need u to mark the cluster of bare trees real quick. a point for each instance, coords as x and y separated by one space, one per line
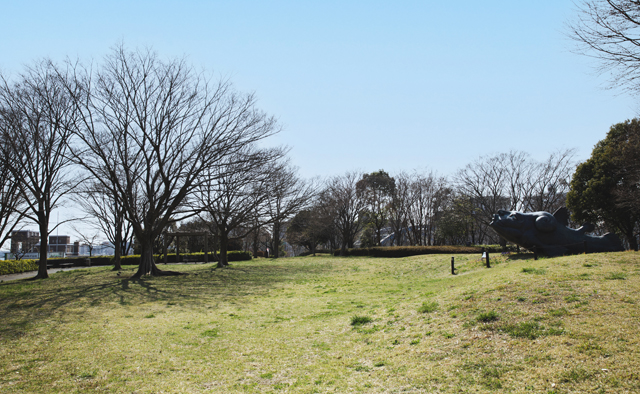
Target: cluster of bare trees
248 204
141 140
37 117
511 181
422 208
143 144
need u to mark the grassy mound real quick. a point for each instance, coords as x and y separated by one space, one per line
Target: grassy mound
326 324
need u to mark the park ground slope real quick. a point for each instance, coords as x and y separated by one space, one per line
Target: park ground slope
330 324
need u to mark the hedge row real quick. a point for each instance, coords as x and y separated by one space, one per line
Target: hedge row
80 261
239 255
17 266
318 251
404 251
234 255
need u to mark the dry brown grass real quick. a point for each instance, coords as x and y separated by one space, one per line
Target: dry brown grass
554 325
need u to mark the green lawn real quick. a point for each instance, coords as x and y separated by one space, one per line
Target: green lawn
328 324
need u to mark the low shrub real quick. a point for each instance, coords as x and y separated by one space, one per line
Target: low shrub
80 261
232 255
537 271
488 317
530 330
238 255
360 320
405 251
132 259
428 307
318 251
101 260
17 266
616 276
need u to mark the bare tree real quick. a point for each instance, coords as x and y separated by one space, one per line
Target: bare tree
12 204
107 214
547 184
485 183
153 130
232 199
37 118
342 203
88 238
519 173
287 194
428 195
609 31
488 184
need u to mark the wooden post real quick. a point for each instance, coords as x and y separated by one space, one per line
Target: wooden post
453 270
535 253
488 264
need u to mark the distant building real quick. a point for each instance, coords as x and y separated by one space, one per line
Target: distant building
29 242
24 240
62 244
59 245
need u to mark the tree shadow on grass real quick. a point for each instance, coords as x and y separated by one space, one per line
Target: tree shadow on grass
24 303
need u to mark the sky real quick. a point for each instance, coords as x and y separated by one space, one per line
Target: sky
359 85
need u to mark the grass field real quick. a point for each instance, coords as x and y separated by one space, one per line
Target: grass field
329 324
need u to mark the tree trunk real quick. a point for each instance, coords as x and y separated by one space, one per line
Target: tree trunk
117 253
343 249
633 242
256 235
224 247
276 239
44 248
147 264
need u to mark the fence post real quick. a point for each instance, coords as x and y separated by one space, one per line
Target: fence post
488 264
453 270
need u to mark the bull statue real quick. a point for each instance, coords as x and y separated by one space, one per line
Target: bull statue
549 235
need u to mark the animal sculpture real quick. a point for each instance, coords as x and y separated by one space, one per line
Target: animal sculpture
549 235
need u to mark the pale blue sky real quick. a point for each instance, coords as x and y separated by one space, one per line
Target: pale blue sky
362 85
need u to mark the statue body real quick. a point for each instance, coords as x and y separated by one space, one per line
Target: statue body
549 234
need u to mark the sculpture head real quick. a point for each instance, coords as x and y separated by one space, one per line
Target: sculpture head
517 226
